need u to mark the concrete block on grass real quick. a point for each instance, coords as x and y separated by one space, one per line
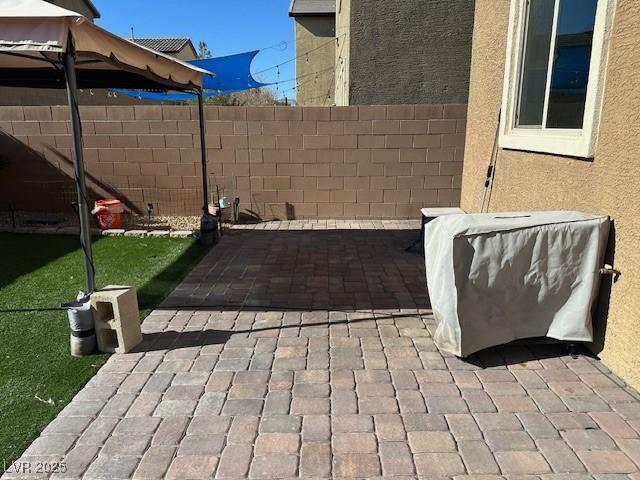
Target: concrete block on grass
117 319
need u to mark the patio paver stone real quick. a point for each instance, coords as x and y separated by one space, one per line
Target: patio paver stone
304 349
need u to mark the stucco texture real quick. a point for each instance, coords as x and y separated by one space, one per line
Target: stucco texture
410 51
315 71
607 184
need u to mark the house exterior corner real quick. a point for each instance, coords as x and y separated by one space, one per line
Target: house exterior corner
606 183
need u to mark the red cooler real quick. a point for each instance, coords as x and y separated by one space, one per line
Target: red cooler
108 213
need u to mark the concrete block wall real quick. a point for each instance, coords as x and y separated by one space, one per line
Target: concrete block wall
283 162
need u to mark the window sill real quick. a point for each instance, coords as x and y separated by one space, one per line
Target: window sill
572 143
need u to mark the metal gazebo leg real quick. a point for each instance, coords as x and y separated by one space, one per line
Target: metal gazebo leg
208 224
203 155
78 164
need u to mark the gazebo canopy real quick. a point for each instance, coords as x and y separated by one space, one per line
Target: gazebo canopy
34 35
45 46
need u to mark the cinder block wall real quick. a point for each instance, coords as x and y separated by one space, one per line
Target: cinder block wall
283 162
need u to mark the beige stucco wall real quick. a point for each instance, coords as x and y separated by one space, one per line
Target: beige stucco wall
315 70
187 53
343 48
608 184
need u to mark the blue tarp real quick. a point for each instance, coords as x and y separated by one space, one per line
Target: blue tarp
232 74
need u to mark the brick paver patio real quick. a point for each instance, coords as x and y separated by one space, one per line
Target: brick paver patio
303 349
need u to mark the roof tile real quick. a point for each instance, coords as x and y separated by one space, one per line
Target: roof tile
163 45
312 7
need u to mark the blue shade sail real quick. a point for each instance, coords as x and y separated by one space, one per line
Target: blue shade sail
232 74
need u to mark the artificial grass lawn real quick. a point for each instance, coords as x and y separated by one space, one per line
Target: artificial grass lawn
40 271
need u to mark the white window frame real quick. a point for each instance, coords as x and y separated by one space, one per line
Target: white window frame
570 142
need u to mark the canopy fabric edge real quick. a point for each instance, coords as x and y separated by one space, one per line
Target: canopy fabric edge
44 30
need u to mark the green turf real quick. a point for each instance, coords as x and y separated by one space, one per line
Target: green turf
39 271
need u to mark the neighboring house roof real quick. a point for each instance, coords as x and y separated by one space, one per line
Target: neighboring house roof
301 8
94 11
92 7
163 45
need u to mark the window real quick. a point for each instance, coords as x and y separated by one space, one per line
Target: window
554 75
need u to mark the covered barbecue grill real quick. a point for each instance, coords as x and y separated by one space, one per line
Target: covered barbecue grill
494 278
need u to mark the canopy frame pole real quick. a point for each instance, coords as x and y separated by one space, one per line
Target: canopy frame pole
78 164
203 155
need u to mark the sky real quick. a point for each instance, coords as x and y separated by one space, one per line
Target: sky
227 26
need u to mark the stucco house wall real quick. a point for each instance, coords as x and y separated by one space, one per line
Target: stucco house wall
186 53
608 184
414 51
315 71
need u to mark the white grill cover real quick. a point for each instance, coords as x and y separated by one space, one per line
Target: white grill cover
494 278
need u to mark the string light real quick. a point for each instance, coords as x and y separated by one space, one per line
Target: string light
282 46
328 97
303 54
314 75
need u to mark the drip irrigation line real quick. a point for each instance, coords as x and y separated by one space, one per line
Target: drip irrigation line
34 309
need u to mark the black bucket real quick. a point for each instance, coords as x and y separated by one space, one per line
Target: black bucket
209 230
